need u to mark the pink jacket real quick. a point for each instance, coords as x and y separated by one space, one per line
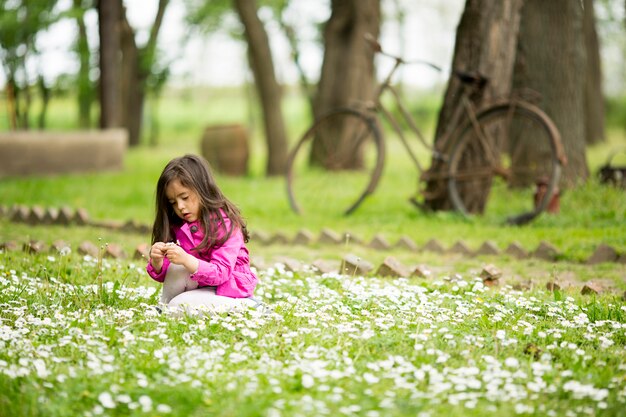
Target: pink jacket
226 267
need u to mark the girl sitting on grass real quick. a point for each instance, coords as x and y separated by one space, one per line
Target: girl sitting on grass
198 241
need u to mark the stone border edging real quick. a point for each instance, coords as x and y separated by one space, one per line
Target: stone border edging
37 215
350 264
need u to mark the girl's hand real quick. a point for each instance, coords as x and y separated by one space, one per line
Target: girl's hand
177 255
174 253
157 253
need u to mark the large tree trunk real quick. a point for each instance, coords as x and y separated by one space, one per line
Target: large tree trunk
267 87
348 69
109 15
132 84
551 60
594 97
486 41
136 67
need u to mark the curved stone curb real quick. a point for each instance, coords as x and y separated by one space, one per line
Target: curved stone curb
66 216
545 250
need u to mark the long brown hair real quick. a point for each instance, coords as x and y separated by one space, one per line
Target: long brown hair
194 172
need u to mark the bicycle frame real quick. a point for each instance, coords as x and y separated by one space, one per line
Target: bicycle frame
437 152
406 116
471 147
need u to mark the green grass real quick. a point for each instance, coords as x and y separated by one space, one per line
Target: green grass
590 214
80 336
72 344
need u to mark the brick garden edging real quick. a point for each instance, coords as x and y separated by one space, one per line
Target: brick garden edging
37 215
351 264
545 250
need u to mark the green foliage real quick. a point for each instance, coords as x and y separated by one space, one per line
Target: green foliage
209 16
21 21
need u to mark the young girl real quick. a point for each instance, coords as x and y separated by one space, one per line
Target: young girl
198 241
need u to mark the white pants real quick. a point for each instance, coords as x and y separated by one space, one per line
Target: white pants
181 293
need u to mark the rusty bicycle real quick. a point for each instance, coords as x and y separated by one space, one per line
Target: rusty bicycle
487 155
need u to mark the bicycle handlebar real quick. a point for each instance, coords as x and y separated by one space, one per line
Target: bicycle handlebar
465 77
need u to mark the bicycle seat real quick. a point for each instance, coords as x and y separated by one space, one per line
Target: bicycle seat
467 77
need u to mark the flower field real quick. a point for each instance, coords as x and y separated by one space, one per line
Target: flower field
81 336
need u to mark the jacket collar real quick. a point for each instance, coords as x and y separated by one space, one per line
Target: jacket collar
185 228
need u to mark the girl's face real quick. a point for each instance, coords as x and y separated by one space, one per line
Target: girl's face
185 201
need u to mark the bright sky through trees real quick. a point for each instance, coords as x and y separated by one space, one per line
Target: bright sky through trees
219 60
428 34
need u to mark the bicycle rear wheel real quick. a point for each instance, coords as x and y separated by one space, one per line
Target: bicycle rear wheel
505 163
336 164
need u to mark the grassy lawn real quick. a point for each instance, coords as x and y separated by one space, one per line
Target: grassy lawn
79 335
590 214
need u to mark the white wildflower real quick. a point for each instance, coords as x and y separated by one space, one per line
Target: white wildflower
511 362
123 398
106 400
370 378
146 403
40 367
307 381
164 408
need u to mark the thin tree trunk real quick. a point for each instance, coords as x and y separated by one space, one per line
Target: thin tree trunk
44 91
348 68
11 104
267 87
290 33
131 83
551 60
486 41
109 14
85 91
400 18
24 114
136 66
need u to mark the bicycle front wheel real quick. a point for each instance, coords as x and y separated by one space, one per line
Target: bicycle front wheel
505 163
336 164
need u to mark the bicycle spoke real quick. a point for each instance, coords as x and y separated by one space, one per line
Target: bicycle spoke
522 139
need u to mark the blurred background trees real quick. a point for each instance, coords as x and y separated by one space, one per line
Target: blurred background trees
21 22
126 68
572 53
